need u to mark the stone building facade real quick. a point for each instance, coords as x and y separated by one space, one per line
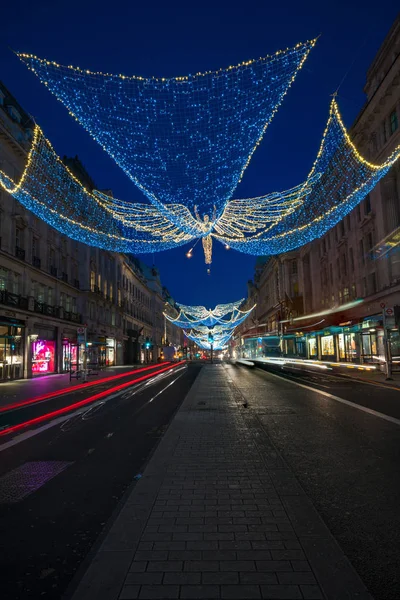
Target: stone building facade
334 298
52 288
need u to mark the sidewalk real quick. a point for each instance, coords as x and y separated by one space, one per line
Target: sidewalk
23 389
218 514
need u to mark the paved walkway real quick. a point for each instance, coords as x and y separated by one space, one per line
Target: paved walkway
218 514
23 389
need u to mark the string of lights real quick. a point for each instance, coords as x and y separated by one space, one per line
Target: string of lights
339 179
209 327
51 191
181 140
277 222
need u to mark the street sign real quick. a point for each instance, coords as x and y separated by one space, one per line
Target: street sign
81 330
389 312
383 305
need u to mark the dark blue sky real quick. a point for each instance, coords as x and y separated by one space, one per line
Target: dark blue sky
173 38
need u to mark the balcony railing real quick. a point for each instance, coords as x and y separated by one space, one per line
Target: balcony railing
19 252
72 316
45 309
14 300
22 302
36 262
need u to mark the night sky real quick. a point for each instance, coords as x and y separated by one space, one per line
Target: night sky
169 39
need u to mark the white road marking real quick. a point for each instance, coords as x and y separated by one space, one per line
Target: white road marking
28 434
369 411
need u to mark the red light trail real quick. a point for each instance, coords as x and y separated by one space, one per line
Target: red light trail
74 388
65 409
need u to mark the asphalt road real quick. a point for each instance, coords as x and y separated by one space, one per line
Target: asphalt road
59 487
346 460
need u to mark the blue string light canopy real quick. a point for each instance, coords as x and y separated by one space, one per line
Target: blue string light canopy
277 222
339 179
181 140
209 327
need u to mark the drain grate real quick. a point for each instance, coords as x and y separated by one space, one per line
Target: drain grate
28 478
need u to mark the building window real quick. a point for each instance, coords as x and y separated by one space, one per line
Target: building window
3 279
362 257
351 260
92 280
372 283
394 122
367 204
294 263
341 225
346 295
344 264
18 237
358 212
50 296
384 135
348 223
353 291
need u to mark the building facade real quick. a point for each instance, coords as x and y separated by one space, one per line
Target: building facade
334 298
52 288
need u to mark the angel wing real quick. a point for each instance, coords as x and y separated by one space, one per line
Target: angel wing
154 220
261 213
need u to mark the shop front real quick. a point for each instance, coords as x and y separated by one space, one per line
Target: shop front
372 340
312 346
11 349
349 344
327 341
69 350
110 352
43 357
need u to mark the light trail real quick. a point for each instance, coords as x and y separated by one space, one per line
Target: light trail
66 409
80 386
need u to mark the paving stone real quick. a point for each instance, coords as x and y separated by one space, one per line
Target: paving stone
151 592
151 555
296 578
221 578
138 567
237 565
182 578
129 592
199 591
258 578
165 565
201 565
300 565
273 565
281 592
241 592
218 555
143 578
185 555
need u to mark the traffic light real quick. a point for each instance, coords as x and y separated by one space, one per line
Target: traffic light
147 344
210 338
